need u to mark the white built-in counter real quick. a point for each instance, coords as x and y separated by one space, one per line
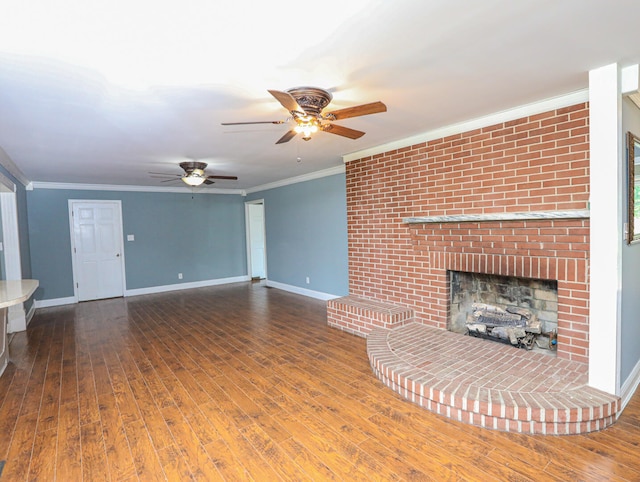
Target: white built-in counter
11 293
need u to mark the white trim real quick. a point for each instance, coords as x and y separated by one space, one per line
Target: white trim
9 165
294 180
185 286
6 184
11 236
242 192
124 188
301 291
148 291
72 237
630 386
15 315
71 300
605 278
469 125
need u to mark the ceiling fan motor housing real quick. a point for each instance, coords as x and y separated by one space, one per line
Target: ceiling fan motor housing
311 99
190 166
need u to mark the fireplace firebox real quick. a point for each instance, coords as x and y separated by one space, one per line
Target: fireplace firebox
520 311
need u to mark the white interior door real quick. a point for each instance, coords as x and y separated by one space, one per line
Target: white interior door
256 240
97 249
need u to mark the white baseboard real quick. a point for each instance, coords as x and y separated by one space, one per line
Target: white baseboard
147 291
630 385
185 286
301 291
54 302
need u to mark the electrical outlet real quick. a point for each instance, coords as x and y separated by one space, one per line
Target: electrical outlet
307 280
179 275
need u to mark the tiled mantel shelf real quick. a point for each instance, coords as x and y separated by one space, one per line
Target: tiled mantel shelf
524 216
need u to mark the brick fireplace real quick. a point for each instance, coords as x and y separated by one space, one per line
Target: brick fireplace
475 201
554 250
507 200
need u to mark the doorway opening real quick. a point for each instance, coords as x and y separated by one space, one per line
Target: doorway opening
17 318
256 239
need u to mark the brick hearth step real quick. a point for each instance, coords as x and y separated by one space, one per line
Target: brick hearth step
359 316
488 384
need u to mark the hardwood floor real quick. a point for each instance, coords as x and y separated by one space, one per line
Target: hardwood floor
243 382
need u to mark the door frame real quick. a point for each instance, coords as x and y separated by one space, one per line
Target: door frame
74 263
248 235
17 318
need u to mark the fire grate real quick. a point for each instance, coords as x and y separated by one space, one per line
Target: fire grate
515 326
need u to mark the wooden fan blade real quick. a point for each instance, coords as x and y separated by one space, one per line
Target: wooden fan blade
287 100
207 181
342 131
232 178
250 122
171 180
358 110
287 137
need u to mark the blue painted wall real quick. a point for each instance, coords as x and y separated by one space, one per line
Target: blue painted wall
23 230
201 236
630 301
306 234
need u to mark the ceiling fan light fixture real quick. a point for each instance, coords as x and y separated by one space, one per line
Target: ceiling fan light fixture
306 128
193 179
194 174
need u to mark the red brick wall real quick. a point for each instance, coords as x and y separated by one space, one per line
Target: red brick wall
537 163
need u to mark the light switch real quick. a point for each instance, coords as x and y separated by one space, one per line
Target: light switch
130 237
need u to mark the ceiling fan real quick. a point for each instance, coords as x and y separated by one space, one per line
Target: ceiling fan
305 104
194 174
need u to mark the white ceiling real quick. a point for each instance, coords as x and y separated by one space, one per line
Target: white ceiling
104 91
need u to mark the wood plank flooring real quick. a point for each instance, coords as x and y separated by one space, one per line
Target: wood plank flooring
244 382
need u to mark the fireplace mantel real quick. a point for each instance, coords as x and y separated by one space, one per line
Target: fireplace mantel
517 216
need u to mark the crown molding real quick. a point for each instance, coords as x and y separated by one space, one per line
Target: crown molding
6 184
115 187
302 178
10 166
477 123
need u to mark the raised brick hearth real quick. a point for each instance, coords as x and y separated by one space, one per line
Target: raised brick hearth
509 199
488 384
359 316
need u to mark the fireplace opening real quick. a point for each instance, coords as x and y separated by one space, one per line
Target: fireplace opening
522 312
